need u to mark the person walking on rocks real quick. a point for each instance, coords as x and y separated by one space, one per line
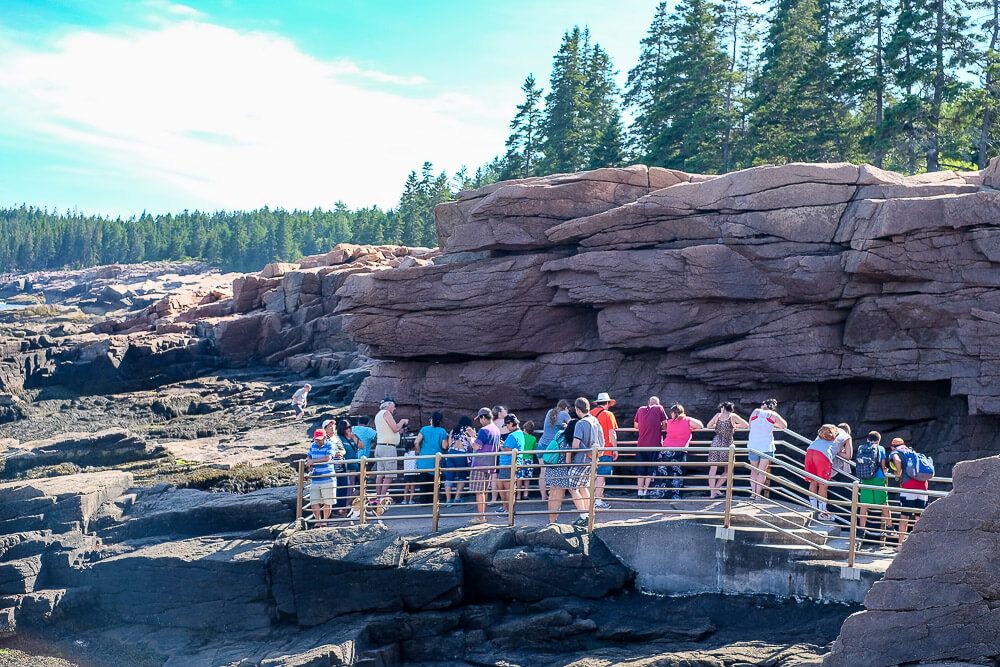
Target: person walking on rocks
819 463
322 483
574 475
725 424
680 429
760 443
431 440
609 427
553 425
649 420
387 436
870 464
484 463
300 399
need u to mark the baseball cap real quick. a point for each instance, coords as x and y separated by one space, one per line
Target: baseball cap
484 412
319 433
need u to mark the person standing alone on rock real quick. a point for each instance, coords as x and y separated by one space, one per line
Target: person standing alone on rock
300 399
486 444
650 421
387 431
322 483
725 422
760 443
609 427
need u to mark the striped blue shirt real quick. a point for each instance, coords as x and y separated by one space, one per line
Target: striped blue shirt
318 452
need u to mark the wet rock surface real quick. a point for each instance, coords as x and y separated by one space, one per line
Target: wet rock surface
849 293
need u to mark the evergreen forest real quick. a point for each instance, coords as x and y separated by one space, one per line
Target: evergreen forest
906 85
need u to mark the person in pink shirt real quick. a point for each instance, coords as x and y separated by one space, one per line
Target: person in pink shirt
670 475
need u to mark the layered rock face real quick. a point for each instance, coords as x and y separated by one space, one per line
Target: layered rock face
939 599
847 292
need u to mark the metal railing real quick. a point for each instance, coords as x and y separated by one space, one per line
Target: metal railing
428 495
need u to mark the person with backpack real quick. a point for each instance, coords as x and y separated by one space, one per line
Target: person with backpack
870 460
552 426
573 472
914 471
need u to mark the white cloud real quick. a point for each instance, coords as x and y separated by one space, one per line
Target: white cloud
174 8
237 119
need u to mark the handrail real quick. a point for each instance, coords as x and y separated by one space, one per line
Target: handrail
786 478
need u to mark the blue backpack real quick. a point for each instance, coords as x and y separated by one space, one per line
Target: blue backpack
918 466
868 460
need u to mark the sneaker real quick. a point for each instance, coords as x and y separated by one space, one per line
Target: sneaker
825 516
601 505
582 521
500 510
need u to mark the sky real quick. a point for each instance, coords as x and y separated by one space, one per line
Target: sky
117 107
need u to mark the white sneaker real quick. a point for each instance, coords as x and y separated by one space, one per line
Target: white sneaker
600 504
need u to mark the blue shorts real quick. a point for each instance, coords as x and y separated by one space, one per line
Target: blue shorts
754 456
503 472
605 471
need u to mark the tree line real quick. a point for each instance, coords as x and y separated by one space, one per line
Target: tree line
34 238
908 85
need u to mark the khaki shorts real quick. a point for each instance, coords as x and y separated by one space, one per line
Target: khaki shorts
386 451
322 494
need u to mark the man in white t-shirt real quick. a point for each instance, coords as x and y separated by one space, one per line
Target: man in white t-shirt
300 398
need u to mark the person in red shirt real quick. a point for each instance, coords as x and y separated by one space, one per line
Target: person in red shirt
917 500
649 421
602 412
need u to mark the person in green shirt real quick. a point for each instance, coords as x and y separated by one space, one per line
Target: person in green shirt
526 459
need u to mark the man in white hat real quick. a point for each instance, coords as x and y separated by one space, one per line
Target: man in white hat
602 412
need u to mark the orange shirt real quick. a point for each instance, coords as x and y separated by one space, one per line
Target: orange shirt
608 424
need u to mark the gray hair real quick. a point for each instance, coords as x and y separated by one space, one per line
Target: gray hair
654 400
385 405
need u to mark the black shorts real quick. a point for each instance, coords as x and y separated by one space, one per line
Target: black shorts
646 462
912 503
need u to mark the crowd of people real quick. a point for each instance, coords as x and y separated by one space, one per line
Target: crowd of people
495 459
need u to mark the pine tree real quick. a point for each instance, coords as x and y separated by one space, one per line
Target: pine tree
991 85
863 75
738 21
523 144
610 149
690 108
565 119
601 102
797 114
645 82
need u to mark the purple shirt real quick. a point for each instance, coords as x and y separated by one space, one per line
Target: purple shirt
650 419
487 440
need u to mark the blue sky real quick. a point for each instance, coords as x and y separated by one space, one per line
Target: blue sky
118 107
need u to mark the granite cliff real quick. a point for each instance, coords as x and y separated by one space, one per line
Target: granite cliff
849 293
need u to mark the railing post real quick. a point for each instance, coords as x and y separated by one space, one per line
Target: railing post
730 469
595 454
512 489
300 492
436 514
853 543
363 491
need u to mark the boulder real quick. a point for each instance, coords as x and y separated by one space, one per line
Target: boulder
67 502
213 584
324 573
191 512
102 448
938 599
